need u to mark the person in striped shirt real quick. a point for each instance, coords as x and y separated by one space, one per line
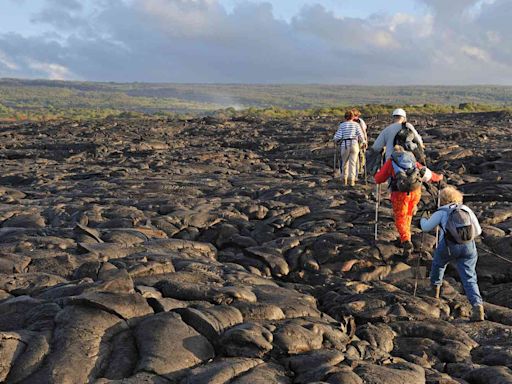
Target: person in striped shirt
348 137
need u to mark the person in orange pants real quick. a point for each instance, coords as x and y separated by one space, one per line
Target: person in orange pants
404 203
404 207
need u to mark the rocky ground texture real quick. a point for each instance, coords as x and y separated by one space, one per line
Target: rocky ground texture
224 251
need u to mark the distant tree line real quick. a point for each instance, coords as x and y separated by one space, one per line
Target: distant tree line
47 99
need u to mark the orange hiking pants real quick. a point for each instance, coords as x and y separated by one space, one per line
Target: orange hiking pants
404 203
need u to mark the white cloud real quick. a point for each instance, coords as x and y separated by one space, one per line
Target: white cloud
199 41
476 53
7 62
51 70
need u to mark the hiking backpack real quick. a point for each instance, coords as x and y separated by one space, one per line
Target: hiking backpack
405 138
407 176
459 227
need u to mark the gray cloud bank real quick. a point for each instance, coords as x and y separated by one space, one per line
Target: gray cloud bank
453 42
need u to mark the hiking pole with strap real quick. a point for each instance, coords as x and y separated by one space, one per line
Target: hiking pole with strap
364 166
417 272
438 206
334 162
377 204
365 174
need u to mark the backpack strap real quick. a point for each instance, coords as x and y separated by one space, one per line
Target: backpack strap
448 211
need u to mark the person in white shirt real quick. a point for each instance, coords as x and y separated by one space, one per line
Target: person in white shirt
464 255
362 147
386 138
348 136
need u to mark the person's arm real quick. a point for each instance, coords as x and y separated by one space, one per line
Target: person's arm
416 135
429 176
339 134
436 177
380 142
384 173
429 224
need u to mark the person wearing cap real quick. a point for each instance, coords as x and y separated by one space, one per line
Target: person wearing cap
386 138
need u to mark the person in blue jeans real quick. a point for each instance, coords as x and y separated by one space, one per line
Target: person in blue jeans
464 255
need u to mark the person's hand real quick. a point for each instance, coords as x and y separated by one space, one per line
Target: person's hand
442 183
425 213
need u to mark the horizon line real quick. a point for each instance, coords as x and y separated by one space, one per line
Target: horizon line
257 84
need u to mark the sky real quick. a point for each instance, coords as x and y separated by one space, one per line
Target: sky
367 42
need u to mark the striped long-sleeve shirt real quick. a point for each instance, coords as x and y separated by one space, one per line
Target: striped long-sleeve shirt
349 130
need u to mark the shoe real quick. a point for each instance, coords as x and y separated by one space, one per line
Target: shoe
408 247
352 183
436 291
345 182
478 313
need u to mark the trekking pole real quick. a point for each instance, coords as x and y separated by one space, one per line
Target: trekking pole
365 174
334 163
438 206
418 265
377 204
364 166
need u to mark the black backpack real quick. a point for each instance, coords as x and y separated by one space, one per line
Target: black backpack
405 138
459 227
407 176
374 160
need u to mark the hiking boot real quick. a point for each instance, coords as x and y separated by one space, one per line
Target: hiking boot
408 247
436 291
478 313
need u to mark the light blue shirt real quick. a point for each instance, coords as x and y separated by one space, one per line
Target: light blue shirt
440 217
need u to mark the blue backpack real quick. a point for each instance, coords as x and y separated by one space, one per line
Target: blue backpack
407 175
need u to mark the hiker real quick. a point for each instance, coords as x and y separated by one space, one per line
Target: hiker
459 227
405 176
348 137
399 133
361 122
362 147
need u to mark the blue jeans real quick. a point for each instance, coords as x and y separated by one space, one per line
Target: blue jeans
464 256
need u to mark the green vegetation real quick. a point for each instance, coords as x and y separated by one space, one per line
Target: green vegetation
366 110
46 99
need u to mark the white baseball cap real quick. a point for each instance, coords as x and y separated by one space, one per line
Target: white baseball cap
399 112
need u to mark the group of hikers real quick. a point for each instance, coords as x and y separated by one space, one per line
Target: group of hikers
397 157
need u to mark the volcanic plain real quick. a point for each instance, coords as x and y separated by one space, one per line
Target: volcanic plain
219 251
